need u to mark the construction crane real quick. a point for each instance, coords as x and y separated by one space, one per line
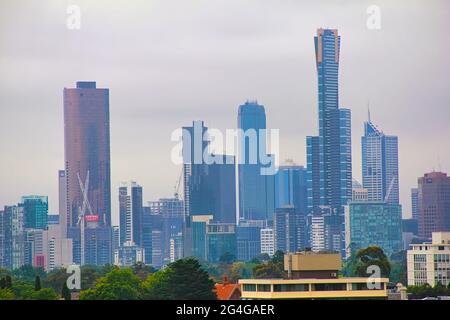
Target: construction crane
82 212
388 193
177 185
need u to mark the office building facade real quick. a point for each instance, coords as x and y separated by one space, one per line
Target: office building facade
130 213
429 262
256 190
36 211
434 204
373 223
329 164
380 164
87 150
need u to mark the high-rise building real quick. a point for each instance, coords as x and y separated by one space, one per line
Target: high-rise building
116 237
98 242
256 190
373 223
87 150
53 219
167 215
220 241
147 228
2 239
62 203
130 213
267 241
128 254
415 203
325 228
199 225
434 204
291 187
36 248
289 228
248 239
429 262
380 164
329 164
36 211
209 188
13 237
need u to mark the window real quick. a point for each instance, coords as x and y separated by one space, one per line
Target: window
329 287
290 287
249 287
264 287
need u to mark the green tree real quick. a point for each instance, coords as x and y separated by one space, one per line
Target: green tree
227 258
3 283
278 257
28 273
371 256
8 282
398 268
90 274
37 283
7 294
274 268
65 292
55 278
268 270
142 270
157 285
184 279
44 294
119 284
241 270
23 290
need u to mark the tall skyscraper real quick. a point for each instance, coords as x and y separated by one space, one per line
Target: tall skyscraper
2 239
434 204
130 213
13 237
329 164
167 216
415 203
256 191
209 188
380 164
291 187
87 149
62 203
36 211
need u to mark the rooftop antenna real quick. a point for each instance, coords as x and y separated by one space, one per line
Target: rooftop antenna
368 110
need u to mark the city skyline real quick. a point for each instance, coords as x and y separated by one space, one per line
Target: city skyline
130 116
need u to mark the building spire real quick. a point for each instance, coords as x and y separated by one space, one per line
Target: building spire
368 111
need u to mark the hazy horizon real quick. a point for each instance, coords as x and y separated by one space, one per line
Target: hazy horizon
170 62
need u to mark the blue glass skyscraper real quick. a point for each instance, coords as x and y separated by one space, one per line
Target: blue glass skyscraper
209 188
329 164
380 164
291 187
256 191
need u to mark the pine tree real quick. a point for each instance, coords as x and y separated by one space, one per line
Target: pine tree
65 292
37 283
8 282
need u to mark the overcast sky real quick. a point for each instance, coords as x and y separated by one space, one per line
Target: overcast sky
168 62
